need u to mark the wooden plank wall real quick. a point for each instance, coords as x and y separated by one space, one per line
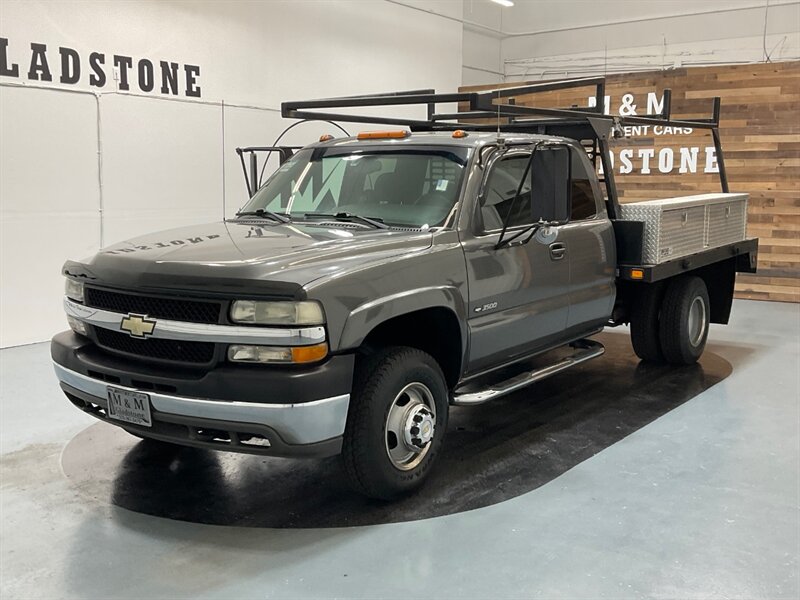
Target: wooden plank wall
760 130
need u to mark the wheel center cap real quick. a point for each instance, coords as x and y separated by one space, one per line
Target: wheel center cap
419 428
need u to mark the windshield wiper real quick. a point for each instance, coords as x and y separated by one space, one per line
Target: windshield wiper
346 216
260 212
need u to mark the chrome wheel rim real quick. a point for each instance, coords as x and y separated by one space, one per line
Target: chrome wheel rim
697 321
410 426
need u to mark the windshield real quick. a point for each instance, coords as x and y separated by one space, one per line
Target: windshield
417 187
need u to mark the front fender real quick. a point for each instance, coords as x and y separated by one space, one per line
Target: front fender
369 315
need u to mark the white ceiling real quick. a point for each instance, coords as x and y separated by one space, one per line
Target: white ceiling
531 17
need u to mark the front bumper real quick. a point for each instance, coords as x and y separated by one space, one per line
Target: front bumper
300 412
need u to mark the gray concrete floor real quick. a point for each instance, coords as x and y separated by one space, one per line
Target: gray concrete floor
704 502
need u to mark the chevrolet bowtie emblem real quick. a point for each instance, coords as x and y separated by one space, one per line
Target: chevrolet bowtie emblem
137 326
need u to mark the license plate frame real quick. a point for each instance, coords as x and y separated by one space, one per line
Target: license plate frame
129 406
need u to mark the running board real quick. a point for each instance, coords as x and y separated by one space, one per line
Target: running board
582 350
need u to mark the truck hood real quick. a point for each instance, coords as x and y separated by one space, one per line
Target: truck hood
262 257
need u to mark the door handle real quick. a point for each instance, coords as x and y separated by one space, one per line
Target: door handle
558 250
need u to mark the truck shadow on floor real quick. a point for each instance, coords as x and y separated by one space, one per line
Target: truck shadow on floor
493 452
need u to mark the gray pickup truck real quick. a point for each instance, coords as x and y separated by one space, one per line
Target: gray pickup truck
373 281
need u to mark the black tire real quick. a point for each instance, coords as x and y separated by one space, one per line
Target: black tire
365 452
645 336
685 316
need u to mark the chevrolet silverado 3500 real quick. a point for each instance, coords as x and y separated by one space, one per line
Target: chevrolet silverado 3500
373 281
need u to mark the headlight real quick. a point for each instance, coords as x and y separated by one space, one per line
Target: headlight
74 290
276 354
277 313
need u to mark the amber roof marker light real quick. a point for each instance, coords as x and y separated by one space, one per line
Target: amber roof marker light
380 135
327 137
460 133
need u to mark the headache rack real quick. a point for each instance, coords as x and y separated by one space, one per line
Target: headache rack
589 125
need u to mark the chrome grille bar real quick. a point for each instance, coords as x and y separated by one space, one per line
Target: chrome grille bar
201 332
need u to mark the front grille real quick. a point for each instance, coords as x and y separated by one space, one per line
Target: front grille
194 311
155 348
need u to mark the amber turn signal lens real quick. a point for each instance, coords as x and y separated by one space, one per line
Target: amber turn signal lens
637 274
277 354
307 354
376 135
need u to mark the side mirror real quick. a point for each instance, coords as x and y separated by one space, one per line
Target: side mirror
550 184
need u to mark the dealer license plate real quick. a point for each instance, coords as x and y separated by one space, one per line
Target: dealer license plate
131 407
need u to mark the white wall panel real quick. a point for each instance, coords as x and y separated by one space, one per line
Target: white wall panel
48 205
449 8
481 43
161 165
258 53
482 58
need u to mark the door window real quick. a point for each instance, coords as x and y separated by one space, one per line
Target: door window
584 205
501 187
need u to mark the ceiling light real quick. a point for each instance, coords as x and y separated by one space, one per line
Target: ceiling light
505 3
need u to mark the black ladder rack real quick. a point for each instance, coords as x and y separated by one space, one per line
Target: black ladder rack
581 124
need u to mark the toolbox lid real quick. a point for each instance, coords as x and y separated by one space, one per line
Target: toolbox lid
687 201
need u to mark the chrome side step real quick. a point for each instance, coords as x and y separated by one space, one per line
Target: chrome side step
582 350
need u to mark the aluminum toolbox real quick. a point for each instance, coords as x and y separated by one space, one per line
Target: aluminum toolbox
678 227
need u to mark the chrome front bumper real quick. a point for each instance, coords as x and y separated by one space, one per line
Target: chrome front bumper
320 422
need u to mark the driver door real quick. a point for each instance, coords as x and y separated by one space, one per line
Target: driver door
519 294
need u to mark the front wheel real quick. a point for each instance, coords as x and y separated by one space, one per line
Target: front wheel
685 316
396 422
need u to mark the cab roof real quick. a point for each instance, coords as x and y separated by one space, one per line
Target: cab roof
437 138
